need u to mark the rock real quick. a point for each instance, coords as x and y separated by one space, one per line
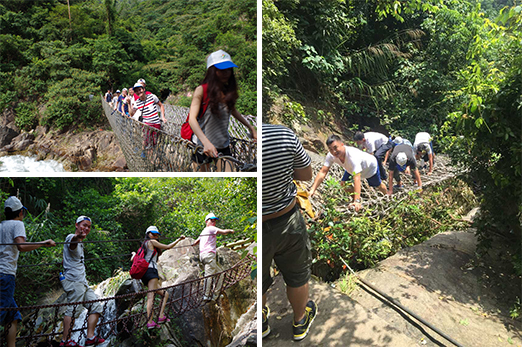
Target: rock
6 135
245 333
120 164
22 141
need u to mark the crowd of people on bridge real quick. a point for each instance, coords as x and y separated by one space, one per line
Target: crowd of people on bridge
73 280
285 238
213 103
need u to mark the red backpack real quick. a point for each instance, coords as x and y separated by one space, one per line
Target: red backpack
186 130
139 263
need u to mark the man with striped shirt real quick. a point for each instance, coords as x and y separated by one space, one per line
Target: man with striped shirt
285 239
146 105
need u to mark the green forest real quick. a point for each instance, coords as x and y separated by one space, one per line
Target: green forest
451 68
120 209
53 56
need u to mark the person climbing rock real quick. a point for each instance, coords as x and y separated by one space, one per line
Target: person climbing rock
76 286
207 254
357 165
285 239
12 230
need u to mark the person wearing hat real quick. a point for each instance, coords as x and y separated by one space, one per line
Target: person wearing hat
207 253
401 158
211 128
12 230
151 277
76 286
424 149
146 104
141 82
357 165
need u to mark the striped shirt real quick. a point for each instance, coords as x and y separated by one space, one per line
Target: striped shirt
282 154
215 127
150 112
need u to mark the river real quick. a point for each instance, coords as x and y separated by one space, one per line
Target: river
20 163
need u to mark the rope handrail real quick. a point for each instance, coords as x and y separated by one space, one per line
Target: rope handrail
176 305
149 149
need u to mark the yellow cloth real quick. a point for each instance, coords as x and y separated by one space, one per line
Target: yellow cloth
302 199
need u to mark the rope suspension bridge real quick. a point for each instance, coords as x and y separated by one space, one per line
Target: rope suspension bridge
183 297
171 153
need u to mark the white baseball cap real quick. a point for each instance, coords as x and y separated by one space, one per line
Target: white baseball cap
13 203
82 218
138 85
210 216
141 81
118 91
402 159
220 59
152 229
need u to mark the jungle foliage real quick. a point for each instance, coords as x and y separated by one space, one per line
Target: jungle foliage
452 68
49 58
120 209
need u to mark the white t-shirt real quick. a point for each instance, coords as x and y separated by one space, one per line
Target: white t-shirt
73 262
355 161
422 138
373 140
9 230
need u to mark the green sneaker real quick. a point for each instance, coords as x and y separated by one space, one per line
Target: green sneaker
266 327
301 328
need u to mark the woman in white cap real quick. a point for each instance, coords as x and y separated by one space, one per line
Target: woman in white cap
151 277
218 95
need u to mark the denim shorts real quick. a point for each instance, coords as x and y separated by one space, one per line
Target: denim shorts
7 288
285 240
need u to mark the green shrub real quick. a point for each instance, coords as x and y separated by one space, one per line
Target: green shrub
26 116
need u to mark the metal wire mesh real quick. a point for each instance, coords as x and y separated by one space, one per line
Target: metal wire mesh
147 149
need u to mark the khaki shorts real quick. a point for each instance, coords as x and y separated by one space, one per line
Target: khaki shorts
77 292
285 240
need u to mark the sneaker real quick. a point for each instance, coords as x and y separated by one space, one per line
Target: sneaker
163 320
69 343
266 327
153 325
94 341
301 328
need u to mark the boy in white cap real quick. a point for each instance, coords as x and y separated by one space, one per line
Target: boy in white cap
12 230
207 252
402 157
75 284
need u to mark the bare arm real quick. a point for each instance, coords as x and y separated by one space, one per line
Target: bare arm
159 245
304 174
22 247
390 182
162 108
224 231
319 179
417 177
430 156
243 121
195 243
208 147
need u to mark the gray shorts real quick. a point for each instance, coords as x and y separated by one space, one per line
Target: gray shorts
285 240
77 292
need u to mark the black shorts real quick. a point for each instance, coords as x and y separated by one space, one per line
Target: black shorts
149 275
200 158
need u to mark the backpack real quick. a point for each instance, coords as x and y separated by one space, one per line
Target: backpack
186 130
139 263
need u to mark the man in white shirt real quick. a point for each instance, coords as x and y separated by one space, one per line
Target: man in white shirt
357 164
377 144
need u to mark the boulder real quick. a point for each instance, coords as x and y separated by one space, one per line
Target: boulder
22 141
6 135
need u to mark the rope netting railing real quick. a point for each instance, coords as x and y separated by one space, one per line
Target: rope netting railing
147 149
41 325
373 201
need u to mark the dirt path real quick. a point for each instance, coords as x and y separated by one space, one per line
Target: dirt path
440 280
